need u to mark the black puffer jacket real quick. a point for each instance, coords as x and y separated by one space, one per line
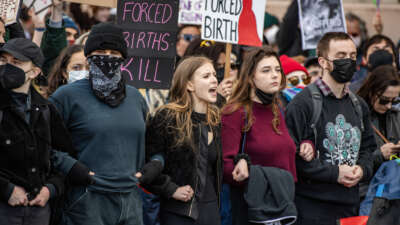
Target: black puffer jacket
25 149
185 164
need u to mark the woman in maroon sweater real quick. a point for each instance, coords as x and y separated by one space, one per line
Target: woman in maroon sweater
254 108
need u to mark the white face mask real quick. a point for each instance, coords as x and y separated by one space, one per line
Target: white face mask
270 34
357 40
77 75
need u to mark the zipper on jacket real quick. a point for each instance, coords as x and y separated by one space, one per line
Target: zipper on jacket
194 196
197 178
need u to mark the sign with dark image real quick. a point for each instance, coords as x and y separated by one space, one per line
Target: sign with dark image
318 17
150 32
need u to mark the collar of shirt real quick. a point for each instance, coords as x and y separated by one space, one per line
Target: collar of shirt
326 90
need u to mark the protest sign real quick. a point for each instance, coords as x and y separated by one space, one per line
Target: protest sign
103 3
233 21
319 17
190 12
9 10
38 5
150 31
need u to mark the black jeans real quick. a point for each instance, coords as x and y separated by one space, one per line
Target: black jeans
21 215
312 212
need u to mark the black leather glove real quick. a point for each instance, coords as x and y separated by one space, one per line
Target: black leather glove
79 175
150 171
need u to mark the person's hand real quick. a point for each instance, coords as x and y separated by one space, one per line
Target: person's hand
344 172
377 22
18 197
183 194
306 152
42 198
57 11
353 179
241 171
37 21
389 149
225 87
149 172
350 176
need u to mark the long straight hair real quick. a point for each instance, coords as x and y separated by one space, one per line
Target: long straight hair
241 96
180 107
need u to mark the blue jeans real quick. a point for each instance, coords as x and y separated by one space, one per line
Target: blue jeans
85 207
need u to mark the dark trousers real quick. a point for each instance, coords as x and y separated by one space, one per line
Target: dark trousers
312 212
21 215
85 207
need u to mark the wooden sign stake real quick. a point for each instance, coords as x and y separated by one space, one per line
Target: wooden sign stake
228 52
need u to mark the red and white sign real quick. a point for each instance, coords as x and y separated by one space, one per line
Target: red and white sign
233 21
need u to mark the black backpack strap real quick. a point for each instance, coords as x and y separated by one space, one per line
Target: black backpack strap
357 106
1 115
317 108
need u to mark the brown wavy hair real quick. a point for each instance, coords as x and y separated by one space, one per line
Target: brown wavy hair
241 96
57 74
180 106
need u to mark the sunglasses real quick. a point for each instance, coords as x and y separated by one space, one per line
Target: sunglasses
189 37
295 80
384 101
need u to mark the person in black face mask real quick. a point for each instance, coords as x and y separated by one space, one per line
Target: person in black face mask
254 108
342 137
106 119
30 127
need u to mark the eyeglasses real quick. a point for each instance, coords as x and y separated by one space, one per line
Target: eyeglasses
385 100
189 37
295 80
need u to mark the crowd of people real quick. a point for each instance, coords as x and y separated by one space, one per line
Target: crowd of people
287 137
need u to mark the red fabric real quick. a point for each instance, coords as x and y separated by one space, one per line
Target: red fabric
290 65
263 145
248 26
356 220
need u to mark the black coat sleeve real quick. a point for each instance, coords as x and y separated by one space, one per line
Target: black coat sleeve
298 118
158 137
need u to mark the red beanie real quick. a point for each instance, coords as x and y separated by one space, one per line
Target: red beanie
290 65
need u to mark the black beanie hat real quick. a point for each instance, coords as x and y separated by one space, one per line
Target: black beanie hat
106 36
379 58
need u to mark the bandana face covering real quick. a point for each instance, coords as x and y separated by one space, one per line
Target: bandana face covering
106 80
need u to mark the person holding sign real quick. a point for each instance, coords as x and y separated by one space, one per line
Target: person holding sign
253 129
106 119
186 132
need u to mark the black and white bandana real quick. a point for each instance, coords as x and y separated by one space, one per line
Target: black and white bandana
106 80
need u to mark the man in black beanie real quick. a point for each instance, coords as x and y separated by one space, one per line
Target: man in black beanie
106 120
30 128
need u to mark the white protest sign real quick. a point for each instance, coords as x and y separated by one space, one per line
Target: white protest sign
234 21
318 17
190 12
9 10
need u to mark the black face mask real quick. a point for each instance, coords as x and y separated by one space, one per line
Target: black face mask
265 98
220 74
11 77
343 70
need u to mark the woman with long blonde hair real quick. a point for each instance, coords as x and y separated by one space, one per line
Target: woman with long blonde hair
254 110
185 133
